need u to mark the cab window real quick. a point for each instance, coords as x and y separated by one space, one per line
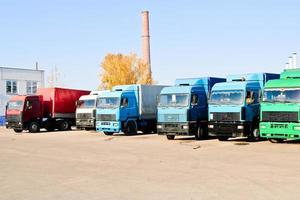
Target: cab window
28 105
194 100
124 102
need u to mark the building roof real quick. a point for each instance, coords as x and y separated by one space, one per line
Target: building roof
25 69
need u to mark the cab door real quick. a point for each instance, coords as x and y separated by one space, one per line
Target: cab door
129 107
198 106
253 103
32 109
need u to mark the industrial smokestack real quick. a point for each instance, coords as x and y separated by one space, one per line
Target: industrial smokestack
294 58
146 40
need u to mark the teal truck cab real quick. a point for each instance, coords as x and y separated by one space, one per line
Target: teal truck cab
182 109
128 109
234 106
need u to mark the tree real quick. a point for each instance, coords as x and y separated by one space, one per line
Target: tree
120 69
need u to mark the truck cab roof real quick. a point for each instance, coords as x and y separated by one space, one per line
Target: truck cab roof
283 83
240 85
188 85
111 94
180 89
243 81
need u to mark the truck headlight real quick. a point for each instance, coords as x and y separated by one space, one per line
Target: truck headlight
262 126
159 126
210 126
185 127
240 127
297 128
116 124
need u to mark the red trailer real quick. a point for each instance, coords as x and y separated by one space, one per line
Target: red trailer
50 108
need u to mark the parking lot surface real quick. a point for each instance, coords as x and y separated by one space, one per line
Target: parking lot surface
90 165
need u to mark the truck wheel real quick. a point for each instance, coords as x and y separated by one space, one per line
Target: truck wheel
130 128
108 133
63 126
255 135
200 134
171 137
49 126
34 127
222 138
18 130
275 140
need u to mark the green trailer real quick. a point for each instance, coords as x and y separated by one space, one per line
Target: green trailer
280 109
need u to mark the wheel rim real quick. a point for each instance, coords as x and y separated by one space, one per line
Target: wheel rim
34 127
256 133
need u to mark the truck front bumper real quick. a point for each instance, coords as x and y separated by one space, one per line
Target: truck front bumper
229 129
278 130
183 128
14 125
85 123
108 126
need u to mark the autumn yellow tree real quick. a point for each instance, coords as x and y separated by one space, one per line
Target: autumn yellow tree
120 69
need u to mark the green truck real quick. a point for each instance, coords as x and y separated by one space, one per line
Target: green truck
280 109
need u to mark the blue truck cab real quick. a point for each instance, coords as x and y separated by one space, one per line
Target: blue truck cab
234 106
182 109
128 109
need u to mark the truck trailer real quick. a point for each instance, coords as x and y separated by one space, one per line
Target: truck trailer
280 109
182 109
49 108
234 106
86 111
128 109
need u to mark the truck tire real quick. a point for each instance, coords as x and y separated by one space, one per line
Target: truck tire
49 126
18 130
171 137
200 134
130 128
63 125
222 138
272 140
255 135
34 127
108 133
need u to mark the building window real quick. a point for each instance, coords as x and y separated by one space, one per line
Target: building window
31 87
11 87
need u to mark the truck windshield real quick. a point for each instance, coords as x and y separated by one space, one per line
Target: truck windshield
232 97
88 103
282 95
108 102
176 100
15 105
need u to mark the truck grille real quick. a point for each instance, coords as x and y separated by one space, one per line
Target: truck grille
84 116
13 118
171 117
225 116
106 117
277 116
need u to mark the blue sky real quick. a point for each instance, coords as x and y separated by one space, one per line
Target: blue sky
188 38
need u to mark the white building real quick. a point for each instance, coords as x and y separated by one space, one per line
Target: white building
16 81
